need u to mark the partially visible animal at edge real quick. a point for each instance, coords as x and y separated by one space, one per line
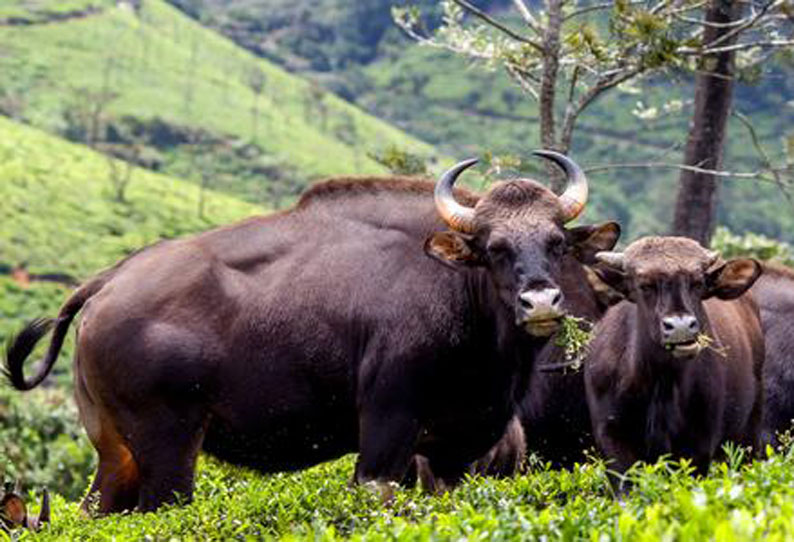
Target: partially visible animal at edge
14 512
654 385
774 294
291 339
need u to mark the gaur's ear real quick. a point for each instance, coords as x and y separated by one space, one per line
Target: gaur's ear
613 278
453 249
732 279
585 241
13 511
605 295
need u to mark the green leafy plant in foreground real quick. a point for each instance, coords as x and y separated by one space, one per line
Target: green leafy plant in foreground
737 501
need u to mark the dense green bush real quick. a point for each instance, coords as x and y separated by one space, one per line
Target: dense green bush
752 245
43 444
736 501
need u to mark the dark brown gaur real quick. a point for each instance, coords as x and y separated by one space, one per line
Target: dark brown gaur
553 408
555 411
292 339
14 513
774 294
653 385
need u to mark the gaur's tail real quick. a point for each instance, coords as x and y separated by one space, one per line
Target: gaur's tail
19 348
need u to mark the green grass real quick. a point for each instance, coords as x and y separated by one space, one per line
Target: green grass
735 502
163 65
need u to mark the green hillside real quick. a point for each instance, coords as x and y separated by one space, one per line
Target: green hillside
467 109
59 213
114 76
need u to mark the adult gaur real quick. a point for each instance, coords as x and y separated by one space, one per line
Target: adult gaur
654 385
287 340
552 418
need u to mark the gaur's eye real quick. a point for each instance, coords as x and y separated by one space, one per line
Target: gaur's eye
498 249
556 245
697 284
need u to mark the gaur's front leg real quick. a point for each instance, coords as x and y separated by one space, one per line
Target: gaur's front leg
620 455
387 441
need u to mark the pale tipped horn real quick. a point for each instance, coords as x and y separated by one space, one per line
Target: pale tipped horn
712 256
574 198
615 260
457 216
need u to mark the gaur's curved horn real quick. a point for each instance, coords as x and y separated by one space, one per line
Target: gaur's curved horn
712 256
574 198
615 260
457 216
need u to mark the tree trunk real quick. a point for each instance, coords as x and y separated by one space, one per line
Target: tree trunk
697 192
548 86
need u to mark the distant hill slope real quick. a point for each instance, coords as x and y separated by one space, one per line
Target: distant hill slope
168 81
59 214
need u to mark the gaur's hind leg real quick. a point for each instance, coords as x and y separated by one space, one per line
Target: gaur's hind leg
116 483
166 442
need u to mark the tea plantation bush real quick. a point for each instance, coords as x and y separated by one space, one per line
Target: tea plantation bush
736 501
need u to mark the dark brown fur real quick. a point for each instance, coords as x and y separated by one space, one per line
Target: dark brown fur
283 341
774 293
644 402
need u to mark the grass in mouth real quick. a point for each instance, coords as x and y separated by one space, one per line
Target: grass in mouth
574 337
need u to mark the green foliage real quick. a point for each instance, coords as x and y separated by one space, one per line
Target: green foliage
751 245
58 213
400 161
43 444
737 501
574 337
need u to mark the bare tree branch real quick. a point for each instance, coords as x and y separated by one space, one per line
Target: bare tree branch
758 175
527 16
761 152
518 77
702 22
496 24
750 21
778 44
610 81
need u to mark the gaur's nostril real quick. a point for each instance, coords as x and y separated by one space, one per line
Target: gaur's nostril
667 326
693 325
557 299
525 302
